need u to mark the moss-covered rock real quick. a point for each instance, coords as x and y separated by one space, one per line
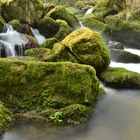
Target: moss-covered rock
121 78
101 91
63 30
48 27
72 114
15 24
59 12
2 23
48 43
89 48
6 117
26 11
28 85
124 56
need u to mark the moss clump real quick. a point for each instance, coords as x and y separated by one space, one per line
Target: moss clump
48 27
43 54
101 91
63 30
121 78
15 24
6 117
59 12
31 85
89 48
72 114
26 11
2 23
48 43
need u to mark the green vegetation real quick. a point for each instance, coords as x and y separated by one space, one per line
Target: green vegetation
6 117
121 78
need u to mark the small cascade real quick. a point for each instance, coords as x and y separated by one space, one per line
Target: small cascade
40 38
12 41
81 24
89 11
134 51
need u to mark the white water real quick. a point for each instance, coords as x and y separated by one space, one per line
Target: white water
134 51
89 11
12 38
128 66
40 38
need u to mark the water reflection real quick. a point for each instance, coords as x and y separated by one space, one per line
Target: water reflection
116 117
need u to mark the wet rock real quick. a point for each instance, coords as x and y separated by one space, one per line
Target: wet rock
115 45
124 56
121 78
2 50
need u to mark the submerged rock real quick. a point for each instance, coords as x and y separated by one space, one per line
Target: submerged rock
89 48
29 85
6 117
121 78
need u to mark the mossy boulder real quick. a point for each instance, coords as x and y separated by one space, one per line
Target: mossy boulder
121 78
59 12
6 117
26 11
63 30
48 27
38 86
27 85
2 23
124 56
48 43
89 48
15 24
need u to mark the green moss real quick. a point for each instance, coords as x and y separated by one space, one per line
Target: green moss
48 43
89 48
73 10
59 12
121 78
6 117
26 11
101 92
29 85
2 23
48 27
73 114
15 24
63 31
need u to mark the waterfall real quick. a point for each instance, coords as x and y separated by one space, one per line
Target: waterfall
89 11
12 41
40 38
